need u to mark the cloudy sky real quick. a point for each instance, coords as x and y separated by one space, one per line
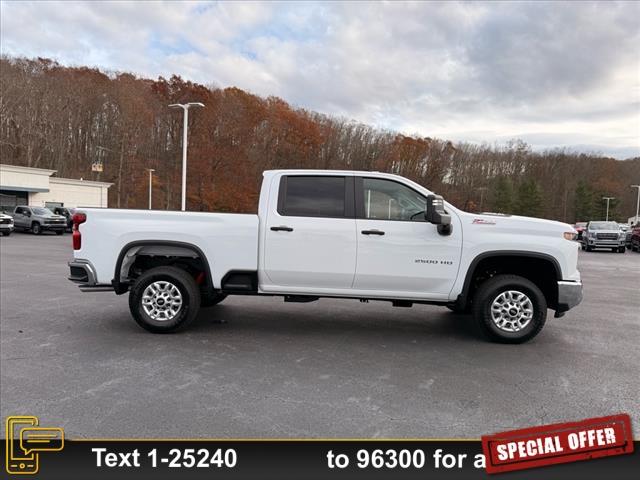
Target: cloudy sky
554 74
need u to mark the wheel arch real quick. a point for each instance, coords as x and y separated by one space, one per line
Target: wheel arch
176 248
503 258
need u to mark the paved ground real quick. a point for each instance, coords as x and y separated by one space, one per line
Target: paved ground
334 368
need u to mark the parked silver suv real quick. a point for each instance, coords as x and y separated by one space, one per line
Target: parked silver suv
38 220
603 235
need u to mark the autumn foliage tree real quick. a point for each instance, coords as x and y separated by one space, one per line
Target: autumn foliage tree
65 118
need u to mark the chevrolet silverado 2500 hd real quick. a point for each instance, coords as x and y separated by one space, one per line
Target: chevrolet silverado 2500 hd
360 235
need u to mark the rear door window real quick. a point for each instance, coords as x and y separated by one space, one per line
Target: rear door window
313 196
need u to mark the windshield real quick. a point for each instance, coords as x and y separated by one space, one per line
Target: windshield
603 226
581 224
42 211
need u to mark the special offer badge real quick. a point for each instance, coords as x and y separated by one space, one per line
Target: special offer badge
558 443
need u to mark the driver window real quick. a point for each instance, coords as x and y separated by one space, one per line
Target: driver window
388 200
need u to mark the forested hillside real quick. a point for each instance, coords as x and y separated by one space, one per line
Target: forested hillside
65 118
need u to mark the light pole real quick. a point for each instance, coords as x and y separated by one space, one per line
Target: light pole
607 199
482 190
637 203
150 170
185 109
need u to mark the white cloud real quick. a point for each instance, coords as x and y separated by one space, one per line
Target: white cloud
556 74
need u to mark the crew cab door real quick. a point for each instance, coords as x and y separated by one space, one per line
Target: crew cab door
398 251
310 237
20 218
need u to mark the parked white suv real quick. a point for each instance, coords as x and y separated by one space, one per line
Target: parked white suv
362 235
6 224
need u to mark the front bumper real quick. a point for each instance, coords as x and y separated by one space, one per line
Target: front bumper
598 243
569 295
6 227
56 227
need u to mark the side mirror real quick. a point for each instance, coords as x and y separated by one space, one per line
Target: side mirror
437 215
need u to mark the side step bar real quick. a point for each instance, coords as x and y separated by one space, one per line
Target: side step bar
95 288
300 298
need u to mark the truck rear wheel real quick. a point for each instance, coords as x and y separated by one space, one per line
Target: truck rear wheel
510 309
164 299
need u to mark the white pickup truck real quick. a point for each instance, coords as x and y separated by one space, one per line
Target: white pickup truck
341 234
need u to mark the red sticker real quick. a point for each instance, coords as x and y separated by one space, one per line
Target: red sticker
558 443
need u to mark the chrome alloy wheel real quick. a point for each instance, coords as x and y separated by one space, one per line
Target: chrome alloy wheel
162 300
511 311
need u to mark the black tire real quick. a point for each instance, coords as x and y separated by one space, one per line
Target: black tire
6 234
59 232
36 229
490 290
582 246
211 299
589 249
622 249
189 292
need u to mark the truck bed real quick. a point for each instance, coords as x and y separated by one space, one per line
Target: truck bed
228 241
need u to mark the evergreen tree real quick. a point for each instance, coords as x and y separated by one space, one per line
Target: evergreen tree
502 198
586 206
529 199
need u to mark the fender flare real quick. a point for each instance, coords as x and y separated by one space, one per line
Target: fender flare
121 288
463 299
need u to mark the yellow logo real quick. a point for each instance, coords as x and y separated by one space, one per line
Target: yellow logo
25 441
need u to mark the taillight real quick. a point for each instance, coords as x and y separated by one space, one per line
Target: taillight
78 218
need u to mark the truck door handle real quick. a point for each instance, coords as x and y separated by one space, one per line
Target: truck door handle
372 232
282 228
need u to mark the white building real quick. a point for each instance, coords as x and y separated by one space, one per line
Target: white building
38 187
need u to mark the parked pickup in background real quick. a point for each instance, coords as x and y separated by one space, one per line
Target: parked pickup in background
67 213
344 234
579 228
603 234
38 220
635 238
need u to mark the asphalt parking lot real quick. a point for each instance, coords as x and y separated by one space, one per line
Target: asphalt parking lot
333 368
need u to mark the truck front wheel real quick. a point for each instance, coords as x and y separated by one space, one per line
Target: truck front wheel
164 299
509 309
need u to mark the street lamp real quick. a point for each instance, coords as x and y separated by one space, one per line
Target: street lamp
185 109
607 199
150 170
482 190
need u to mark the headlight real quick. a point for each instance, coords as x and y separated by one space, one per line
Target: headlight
622 235
569 235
